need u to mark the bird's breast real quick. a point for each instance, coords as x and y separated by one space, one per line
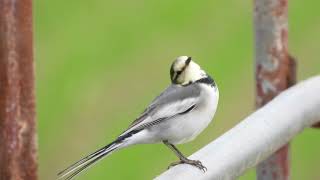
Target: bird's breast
185 128
207 106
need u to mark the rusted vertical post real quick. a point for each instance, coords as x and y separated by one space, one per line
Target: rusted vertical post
275 71
17 99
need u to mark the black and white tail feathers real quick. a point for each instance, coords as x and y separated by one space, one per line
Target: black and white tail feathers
87 161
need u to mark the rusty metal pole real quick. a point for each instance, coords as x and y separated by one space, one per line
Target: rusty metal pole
18 147
275 71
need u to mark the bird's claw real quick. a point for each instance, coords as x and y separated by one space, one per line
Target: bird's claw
199 165
195 163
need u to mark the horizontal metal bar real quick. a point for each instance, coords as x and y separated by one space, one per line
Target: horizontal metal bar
257 136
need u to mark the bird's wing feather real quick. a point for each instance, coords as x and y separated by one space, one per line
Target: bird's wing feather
173 101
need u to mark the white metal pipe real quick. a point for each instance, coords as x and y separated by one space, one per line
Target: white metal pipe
256 137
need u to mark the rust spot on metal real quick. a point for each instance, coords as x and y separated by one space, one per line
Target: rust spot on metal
17 100
316 125
275 167
275 175
284 39
280 8
282 161
280 79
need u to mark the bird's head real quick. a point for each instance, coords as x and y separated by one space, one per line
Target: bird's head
184 71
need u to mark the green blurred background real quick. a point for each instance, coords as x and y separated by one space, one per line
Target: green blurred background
99 63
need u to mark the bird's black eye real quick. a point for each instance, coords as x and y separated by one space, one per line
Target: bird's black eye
176 76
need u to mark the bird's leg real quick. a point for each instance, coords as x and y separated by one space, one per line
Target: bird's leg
183 159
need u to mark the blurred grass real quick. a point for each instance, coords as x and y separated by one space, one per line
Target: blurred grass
99 63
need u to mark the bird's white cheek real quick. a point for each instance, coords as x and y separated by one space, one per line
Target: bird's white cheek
192 74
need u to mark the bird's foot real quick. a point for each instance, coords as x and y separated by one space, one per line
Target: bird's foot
195 163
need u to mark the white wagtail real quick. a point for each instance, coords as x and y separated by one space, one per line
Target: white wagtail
176 116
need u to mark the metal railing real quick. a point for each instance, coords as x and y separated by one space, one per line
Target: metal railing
256 137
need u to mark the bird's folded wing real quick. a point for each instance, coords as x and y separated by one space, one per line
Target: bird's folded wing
175 100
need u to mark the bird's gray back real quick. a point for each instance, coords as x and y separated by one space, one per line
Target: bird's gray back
172 94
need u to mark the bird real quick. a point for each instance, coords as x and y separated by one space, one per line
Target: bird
178 115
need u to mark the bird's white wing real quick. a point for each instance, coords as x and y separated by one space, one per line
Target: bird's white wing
175 100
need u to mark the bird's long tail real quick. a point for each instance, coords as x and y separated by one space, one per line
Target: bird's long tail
87 161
